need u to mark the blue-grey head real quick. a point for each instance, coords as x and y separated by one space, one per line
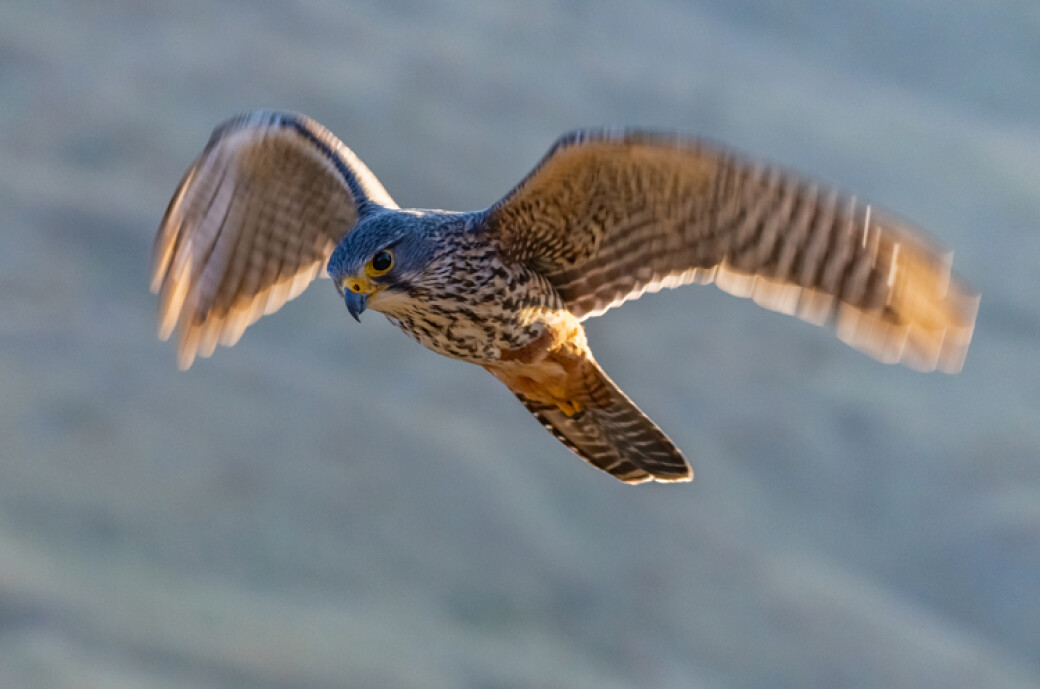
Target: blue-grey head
384 257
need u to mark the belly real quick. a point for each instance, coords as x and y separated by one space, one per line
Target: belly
488 336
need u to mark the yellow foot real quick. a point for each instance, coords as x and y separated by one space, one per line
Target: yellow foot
569 407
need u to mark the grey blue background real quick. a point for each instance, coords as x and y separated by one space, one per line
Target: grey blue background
330 505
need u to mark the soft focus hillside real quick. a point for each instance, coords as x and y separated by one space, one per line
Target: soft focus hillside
331 505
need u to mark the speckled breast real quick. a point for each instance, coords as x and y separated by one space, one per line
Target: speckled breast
474 305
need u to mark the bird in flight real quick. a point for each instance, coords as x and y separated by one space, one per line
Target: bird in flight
275 200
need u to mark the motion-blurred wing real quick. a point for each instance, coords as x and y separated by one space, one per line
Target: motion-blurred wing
610 214
252 223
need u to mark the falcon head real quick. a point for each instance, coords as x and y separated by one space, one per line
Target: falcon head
383 258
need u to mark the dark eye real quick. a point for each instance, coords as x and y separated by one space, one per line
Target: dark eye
380 263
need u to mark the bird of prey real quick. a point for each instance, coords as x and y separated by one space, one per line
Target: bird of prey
275 200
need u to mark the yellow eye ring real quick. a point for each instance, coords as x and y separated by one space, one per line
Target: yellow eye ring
380 264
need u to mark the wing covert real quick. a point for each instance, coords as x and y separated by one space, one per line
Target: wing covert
252 223
611 214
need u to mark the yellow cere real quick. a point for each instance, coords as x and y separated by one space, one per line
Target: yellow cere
355 285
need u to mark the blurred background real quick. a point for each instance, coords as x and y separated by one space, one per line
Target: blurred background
331 505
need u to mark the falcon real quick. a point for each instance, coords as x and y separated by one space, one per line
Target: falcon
276 200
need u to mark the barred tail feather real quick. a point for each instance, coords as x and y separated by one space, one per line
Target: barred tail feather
611 433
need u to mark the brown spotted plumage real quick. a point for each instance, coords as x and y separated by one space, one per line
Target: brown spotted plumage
608 215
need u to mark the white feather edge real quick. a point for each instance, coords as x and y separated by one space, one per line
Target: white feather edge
908 344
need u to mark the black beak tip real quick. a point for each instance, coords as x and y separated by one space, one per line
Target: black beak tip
355 304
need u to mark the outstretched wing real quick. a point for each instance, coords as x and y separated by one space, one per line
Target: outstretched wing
252 223
611 214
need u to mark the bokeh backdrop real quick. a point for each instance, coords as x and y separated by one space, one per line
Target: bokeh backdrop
330 505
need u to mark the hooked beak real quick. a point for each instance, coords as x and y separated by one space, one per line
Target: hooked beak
356 303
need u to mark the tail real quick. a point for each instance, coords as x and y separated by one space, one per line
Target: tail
611 433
